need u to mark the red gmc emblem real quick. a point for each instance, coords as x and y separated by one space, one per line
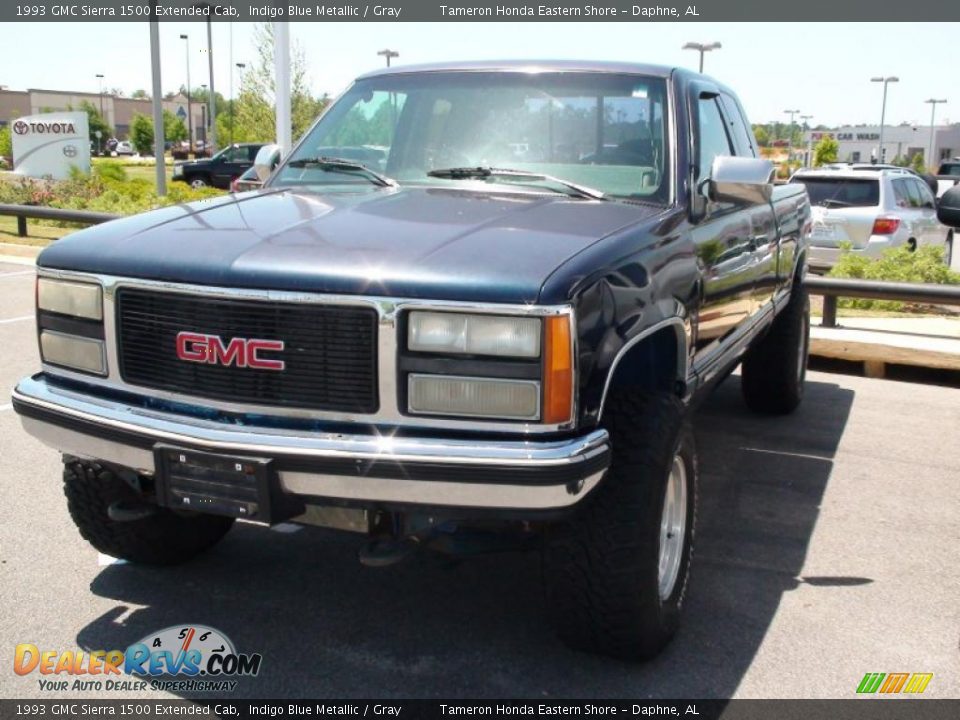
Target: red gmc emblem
242 352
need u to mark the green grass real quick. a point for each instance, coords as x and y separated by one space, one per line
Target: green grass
38 235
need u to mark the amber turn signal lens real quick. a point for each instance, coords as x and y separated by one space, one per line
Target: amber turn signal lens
558 371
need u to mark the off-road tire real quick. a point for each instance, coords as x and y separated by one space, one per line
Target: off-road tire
601 565
199 181
164 538
775 369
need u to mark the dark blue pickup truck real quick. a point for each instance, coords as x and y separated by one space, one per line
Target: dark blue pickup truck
474 297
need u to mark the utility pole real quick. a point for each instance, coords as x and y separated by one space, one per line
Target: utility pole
158 135
189 108
211 104
791 113
702 48
233 101
933 112
806 126
281 70
883 111
387 53
100 92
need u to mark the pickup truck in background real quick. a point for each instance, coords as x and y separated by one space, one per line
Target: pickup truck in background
476 300
948 175
220 170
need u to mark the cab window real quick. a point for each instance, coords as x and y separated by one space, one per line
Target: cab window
714 140
740 132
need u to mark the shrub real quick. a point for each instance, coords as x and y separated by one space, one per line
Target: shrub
924 265
110 170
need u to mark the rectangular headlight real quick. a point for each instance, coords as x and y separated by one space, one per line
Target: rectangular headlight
498 335
474 397
70 298
72 351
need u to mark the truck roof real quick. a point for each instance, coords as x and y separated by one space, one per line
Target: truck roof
596 66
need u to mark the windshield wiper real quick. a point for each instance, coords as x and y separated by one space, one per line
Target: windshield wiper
342 165
485 173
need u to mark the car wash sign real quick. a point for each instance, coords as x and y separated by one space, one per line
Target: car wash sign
47 145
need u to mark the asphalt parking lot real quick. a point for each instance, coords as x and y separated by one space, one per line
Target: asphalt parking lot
827 548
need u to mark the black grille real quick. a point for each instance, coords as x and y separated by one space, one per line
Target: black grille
330 352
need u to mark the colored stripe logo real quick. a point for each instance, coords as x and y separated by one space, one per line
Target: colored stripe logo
891 683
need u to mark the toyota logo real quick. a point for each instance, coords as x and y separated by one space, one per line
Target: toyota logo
20 127
70 151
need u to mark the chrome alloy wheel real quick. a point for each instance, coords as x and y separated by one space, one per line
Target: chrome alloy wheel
673 528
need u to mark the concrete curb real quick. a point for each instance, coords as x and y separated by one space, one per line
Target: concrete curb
19 254
877 348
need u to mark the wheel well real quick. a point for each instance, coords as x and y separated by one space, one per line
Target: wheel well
652 364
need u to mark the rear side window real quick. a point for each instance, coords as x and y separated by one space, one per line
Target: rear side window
742 136
841 192
924 196
950 169
901 194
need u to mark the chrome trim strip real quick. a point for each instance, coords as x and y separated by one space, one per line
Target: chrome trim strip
453 494
278 443
683 367
246 439
387 309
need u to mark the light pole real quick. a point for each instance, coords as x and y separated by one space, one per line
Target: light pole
933 112
186 38
387 53
211 141
203 120
100 92
806 125
702 48
883 111
233 101
791 113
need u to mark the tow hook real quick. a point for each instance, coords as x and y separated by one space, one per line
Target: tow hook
128 512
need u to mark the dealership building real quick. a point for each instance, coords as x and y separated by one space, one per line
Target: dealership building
117 111
861 143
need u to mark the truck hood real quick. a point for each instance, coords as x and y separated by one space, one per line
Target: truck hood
407 242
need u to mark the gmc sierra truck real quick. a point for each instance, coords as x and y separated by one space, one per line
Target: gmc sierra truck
474 301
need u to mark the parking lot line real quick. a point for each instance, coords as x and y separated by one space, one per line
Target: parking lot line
6 406
17 273
16 319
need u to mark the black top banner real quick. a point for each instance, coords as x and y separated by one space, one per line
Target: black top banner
478 11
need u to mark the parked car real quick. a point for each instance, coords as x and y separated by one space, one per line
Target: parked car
442 344
871 210
124 147
220 170
948 175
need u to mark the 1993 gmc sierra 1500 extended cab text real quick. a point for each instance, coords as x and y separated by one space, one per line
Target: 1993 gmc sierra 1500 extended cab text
473 296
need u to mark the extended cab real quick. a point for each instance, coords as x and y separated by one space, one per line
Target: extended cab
482 295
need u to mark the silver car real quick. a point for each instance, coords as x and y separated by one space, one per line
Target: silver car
872 209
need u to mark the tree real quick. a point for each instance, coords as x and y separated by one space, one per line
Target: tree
916 163
174 129
141 134
140 94
255 116
6 143
96 121
825 151
141 131
762 135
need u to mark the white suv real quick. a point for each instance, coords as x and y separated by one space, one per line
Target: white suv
872 210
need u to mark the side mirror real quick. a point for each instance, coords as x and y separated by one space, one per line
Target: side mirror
948 209
266 161
744 181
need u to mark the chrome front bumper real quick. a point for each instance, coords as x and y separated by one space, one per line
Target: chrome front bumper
371 469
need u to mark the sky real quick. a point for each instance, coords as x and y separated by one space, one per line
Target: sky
822 69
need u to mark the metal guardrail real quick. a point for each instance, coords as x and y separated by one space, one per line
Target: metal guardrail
834 288
39 212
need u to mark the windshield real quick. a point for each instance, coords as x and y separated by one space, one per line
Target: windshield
600 130
841 192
